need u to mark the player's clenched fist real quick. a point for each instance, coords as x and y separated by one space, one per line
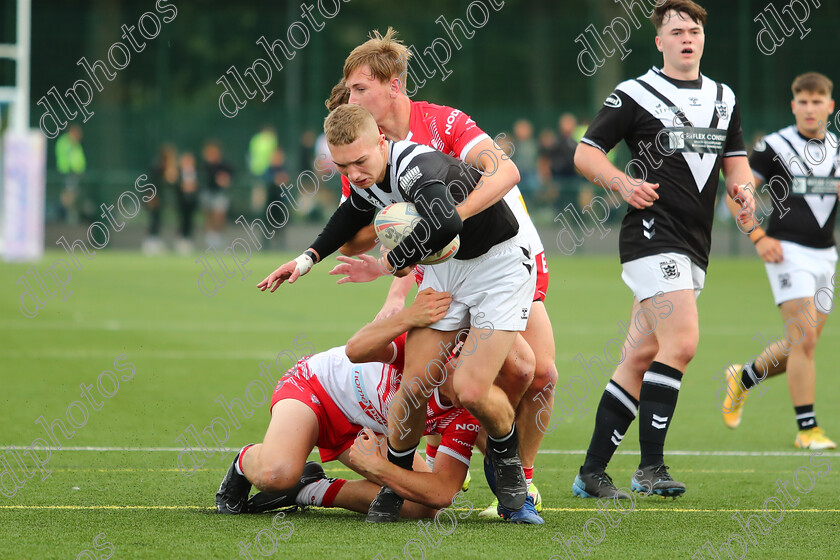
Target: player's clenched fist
365 453
743 196
640 196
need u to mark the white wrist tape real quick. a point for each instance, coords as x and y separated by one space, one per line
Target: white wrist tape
304 263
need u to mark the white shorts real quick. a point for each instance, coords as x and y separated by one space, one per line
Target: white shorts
665 272
803 273
493 291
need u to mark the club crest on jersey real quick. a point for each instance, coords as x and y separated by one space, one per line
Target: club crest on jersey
410 177
613 100
784 281
669 269
722 109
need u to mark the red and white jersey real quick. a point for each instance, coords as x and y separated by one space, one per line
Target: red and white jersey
453 132
363 393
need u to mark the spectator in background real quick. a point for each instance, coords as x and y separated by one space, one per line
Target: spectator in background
525 154
548 188
278 175
71 164
165 177
260 151
560 160
187 197
216 194
307 150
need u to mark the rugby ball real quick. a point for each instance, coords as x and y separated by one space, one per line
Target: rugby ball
396 222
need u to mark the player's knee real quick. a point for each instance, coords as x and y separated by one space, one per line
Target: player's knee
275 478
803 340
685 349
545 375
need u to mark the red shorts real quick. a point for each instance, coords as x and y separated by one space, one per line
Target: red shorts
335 433
542 278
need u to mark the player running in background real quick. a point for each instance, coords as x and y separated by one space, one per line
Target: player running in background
326 400
681 128
798 250
492 279
374 74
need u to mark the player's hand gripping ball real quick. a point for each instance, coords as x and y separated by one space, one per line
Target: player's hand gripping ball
396 222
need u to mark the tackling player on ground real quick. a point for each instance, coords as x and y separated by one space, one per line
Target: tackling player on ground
799 253
326 401
681 128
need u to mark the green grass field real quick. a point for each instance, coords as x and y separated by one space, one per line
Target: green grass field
187 349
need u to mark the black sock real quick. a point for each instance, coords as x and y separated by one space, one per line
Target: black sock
805 417
505 446
657 401
748 376
616 411
403 459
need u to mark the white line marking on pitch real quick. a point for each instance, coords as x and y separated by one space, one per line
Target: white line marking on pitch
687 453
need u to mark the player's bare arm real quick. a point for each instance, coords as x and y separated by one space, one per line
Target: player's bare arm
500 175
290 271
593 163
768 248
397 293
372 343
435 489
740 186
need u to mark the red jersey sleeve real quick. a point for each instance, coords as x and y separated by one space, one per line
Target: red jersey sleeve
455 130
458 437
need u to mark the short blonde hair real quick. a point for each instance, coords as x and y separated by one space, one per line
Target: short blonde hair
386 56
339 95
347 123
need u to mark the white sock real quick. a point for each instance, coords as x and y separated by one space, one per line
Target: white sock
313 494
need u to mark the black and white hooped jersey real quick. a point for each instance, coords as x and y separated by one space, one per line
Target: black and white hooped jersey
411 167
786 156
678 132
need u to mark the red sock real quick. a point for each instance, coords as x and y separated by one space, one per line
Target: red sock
431 453
529 475
332 491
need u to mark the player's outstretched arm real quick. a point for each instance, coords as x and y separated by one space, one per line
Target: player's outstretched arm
345 222
500 175
290 271
595 166
372 343
435 489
